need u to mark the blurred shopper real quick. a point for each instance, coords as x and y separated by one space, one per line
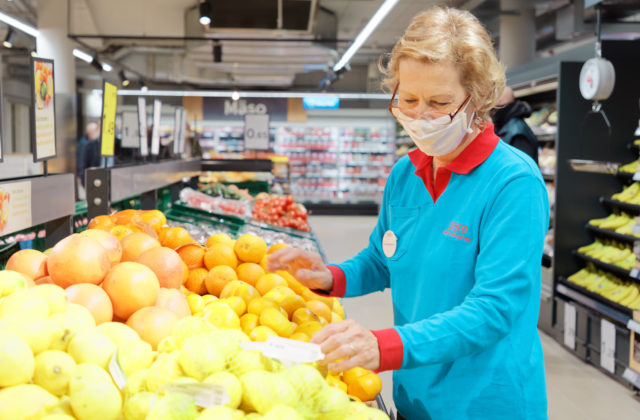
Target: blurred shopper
458 241
508 120
90 154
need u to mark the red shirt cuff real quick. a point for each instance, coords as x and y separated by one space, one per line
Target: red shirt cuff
339 283
391 349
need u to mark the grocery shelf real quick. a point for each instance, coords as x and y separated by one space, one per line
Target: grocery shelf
360 208
634 208
384 165
238 165
614 269
626 176
594 301
611 234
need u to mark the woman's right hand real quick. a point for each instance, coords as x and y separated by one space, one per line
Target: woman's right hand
307 267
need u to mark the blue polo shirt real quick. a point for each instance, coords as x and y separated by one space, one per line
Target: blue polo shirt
465 282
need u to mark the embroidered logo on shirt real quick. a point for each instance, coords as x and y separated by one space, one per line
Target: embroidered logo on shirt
457 231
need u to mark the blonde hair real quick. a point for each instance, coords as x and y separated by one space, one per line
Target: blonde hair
443 33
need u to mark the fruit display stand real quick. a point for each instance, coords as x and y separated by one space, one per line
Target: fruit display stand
591 311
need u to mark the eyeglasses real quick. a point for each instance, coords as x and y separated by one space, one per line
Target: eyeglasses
435 117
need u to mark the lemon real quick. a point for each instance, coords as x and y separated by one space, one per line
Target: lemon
93 394
36 331
10 281
274 319
199 358
221 315
91 347
221 412
58 417
196 303
282 412
16 360
25 300
262 333
77 318
190 326
134 355
137 407
136 383
252 416
25 402
53 370
117 331
168 344
55 295
231 385
164 370
63 406
174 406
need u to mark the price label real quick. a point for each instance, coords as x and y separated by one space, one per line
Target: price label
142 126
607 345
130 130
634 326
570 326
635 229
177 131
205 395
155 131
632 376
256 131
285 349
636 176
116 371
634 273
108 132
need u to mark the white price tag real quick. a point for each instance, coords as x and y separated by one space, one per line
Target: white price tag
155 131
256 131
636 176
632 376
607 345
177 131
634 326
287 350
570 326
634 273
142 127
116 371
130 130
205 395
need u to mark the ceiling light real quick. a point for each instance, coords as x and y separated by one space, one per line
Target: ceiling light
27 29
235 95
364 34
205 13
107 67
8 40
34 54
144 88
123 77
88 58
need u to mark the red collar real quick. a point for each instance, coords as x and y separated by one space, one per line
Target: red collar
472 156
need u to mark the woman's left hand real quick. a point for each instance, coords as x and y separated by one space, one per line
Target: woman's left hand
350 343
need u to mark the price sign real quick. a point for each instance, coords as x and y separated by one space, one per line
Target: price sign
43 117
108 132
570 326
130 130
142 126
183 132
155 131
256 131
607 345
177 131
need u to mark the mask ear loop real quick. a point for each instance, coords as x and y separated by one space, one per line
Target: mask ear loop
596 109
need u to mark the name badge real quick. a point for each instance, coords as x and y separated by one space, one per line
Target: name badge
389 243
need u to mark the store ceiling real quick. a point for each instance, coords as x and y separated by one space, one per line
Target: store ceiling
161 42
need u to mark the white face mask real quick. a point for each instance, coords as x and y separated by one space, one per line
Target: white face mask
434 138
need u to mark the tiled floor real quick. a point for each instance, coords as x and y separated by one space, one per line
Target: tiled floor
575 390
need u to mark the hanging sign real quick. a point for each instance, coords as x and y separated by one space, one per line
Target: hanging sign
155 131
183 132
177 131
256 132
142 127
43 115
226 109
130 130
108 131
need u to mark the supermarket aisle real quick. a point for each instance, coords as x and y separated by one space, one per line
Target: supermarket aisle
575 389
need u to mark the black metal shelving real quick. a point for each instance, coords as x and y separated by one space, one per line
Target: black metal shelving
633 208
611 234
614 269
594 301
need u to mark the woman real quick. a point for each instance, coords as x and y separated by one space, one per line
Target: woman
459 241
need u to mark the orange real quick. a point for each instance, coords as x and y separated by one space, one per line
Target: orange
220 254
290 303
257 305
268 282
92 297
250 272
236 303
335 381
124 217
262 333
196 281
108 241
30 262
276 247
135 244
350 375
308 294
250 248
263 263
220 315
365 387
153 324
278 322
303 315
218 277
292 283
245 291
162 233
319 308
166 264
121 232
185 276
192 255
309 328
230 288
154 218
176 237
220 238
131 286
248 322
103 222
78 259
174 301
300 336
278 293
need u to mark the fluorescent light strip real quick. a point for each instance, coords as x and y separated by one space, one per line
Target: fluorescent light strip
107 67
364 34
28 29
249 94
82 55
